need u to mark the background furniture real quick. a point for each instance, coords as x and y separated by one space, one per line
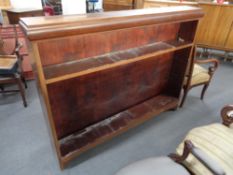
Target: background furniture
216 141
215 29
11 73
100 78
199 75
8 36
15 14
5 4
211 155
112 5
55 5
14 49
12 77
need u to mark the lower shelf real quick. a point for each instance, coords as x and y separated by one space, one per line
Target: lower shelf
93 135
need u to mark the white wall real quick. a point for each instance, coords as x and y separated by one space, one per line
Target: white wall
26 4
99 5
70 7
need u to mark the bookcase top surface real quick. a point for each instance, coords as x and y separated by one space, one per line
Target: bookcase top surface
59 26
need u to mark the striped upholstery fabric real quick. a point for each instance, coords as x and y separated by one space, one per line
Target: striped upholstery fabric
216 141
200 75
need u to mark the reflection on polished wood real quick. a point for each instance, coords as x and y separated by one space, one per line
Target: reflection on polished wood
102 74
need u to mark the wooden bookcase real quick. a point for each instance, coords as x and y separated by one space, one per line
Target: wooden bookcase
101 74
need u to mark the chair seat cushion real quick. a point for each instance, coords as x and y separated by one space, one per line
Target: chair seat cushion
200 75
216 141
8 65
154 166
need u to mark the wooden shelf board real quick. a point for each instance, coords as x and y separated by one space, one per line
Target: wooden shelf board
72 69
75 144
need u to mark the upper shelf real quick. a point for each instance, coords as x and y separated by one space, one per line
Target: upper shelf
59 26
81 67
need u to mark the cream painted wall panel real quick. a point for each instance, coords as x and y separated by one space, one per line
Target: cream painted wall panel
70 7
26 4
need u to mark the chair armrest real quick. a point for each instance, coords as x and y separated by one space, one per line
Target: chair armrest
209 163
214 64
227 115
17 49
7 56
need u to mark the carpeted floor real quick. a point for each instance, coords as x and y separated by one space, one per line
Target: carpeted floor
25 147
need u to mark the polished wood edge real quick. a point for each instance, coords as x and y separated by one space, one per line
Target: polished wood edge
227 115
23 10
108 66
212 68
89 24
44 92
188 146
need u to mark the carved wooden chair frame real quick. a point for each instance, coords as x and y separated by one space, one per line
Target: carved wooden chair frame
227 120
14 78
211 69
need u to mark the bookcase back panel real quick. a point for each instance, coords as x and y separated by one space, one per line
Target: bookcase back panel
79 102
61 50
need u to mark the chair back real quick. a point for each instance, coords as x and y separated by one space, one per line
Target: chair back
190 67
9 43
9 39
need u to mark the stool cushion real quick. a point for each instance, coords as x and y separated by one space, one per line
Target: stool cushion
154 166
216 140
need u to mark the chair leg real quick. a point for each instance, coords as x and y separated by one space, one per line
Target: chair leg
24 82
184 97
204 90
2 87
22 92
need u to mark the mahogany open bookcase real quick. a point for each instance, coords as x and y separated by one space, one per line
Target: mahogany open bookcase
101 74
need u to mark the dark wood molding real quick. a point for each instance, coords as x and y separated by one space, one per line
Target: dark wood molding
59 26
188 146
227 115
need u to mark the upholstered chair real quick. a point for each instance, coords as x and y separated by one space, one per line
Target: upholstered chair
206 150
198 75
216 140
11 69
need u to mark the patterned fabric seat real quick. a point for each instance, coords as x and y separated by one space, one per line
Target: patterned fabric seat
200 75
216 140
197 75
8 64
